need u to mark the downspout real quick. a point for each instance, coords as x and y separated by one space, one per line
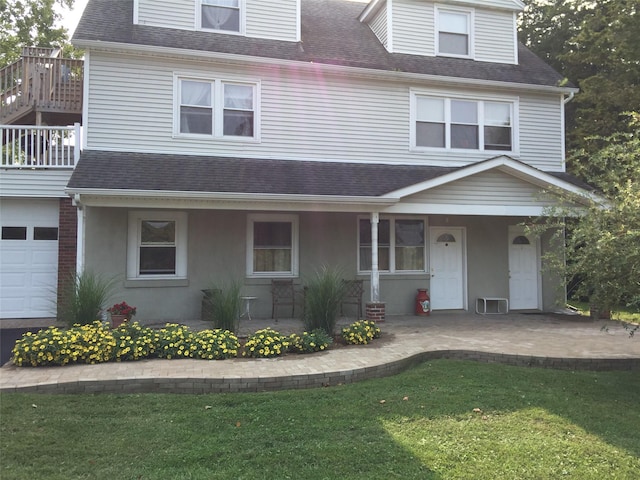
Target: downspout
80 234
569 98
375 274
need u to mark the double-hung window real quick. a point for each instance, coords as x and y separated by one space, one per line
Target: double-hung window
461 123
217 108
223 15
401 245
454 32
272 245
157 245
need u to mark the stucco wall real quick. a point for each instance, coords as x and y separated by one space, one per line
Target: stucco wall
217 253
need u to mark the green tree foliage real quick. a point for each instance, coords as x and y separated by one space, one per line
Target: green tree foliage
595 46
27 23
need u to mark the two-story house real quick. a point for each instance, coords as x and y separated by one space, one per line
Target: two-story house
403 141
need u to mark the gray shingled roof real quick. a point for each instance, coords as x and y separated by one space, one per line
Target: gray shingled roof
188 173
331 34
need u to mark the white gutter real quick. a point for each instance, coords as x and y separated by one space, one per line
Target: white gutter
312 67
570 97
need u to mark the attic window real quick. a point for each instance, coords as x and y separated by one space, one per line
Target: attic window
454 33
221 15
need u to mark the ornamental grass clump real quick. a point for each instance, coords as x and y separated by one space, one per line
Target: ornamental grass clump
175 341
309 342
266 343
324 293
215 344
360 332
133 342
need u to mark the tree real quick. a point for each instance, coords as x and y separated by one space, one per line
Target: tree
595 46
603 242
26 23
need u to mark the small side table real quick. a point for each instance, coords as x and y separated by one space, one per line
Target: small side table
247 306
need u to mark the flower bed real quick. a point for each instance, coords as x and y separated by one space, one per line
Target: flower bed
97 343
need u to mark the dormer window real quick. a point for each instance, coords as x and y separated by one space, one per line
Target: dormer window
221 15
454 37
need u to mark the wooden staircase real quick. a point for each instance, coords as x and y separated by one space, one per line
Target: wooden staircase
41 88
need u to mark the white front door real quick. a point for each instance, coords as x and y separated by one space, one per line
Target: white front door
446 268
523 270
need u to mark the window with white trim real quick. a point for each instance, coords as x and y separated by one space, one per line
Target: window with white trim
216 108
401 245
454 37
221 15
461 123
272 245
157 245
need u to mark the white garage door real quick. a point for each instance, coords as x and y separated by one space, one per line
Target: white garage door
28 258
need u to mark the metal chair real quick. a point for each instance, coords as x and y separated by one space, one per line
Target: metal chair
282 294
353 290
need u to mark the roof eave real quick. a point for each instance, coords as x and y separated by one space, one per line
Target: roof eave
361 72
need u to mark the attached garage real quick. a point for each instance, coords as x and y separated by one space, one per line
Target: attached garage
28 257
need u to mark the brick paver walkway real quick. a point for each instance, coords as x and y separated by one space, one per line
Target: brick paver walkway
518 339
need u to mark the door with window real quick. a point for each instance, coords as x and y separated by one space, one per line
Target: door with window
523 270
447 285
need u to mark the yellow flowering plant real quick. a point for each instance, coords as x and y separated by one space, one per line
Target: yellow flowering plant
133 342
309 342
266 343
175 341
215 344
361 332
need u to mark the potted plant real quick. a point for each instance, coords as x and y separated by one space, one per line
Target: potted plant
120 313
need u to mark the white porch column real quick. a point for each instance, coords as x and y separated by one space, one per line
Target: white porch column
80 234
375 274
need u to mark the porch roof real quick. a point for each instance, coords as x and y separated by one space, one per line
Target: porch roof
135 174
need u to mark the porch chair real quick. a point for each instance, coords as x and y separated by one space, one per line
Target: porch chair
282 294
353 290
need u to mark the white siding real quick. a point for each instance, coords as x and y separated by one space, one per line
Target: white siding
304 115
167 13
413 27
263 18
541 131
276 20
487 188
379 25
34 183
494 36
414 31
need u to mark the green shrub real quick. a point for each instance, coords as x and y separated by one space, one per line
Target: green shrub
84 296
360 332
92 343
310 342
175 341
215 344
226 304
266 343
133 342
324 293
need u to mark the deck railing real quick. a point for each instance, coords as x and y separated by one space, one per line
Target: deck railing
42 81
39 147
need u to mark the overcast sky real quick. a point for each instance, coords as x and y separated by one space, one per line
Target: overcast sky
70 18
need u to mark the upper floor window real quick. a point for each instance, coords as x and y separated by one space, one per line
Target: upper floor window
401 245
460 123
454 32
217 108
221 15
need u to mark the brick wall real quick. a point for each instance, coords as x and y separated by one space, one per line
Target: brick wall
375 311
67 244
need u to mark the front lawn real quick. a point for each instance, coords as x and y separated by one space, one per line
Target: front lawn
442 420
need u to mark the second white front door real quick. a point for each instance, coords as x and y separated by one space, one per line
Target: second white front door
523 270
447 268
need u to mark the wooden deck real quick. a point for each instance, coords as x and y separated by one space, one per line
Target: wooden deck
41 88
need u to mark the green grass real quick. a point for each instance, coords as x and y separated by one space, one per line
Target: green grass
622 313
530 424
